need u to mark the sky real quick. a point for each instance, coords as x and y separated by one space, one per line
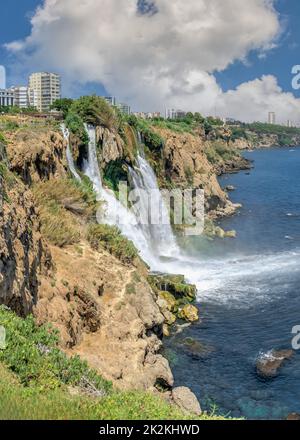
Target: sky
227 57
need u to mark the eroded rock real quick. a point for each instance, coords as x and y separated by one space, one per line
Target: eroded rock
269 364
186 400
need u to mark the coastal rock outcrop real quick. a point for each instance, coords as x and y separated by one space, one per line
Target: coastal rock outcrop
268 365
186 400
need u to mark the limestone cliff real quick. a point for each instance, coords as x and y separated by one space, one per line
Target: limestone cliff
104 309
185 163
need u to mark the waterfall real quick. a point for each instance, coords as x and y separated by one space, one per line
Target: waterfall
114 212
90 166
70 159
157 226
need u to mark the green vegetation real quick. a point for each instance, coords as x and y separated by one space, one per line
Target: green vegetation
62 105
36 378
219 151
115 172
2 139
96 111
110 238
60 205
262 128
14 110
151 139
32 353
286 135
76 126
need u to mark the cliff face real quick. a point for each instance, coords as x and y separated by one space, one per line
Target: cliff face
23 254
104 309
185 162
266 141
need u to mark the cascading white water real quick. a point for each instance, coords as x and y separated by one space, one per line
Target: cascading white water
70 159
90 166
114 212
156 226
228 280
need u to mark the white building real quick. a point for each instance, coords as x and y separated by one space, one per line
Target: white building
2 78
124 108
111 100
272 118
47 89
24 97
175 114
7 97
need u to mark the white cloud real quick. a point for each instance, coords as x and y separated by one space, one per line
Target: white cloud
157 60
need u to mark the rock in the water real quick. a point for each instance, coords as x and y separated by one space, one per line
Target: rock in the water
196 349
170 300
230 188
166 330
230 234
189 313
293 416
186 400
269 364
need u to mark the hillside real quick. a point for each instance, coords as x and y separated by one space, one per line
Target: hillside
86 280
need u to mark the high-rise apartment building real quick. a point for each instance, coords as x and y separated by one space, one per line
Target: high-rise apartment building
175 114
24 97
111 100
124 108
47 89
272 118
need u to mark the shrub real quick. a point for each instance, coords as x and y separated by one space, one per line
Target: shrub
32 353
95 110
59 204
110 239
75 124
62 105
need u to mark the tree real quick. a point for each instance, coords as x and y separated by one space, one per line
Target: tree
62 105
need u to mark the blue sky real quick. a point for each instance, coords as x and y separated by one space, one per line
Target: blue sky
277 62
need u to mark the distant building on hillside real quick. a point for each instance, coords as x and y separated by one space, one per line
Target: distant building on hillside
175 114
124 108
2 78
272 118
147 115
289 123
24 97
47 88
111 100
7 97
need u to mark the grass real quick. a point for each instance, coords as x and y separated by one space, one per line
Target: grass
32 353
219 151
20 403
39 382
110 238
61 206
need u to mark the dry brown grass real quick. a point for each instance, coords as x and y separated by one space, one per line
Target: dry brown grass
64 209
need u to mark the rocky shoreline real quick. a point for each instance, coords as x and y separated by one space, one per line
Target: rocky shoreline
112 313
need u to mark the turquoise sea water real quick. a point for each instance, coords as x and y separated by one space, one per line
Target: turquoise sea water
249 298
